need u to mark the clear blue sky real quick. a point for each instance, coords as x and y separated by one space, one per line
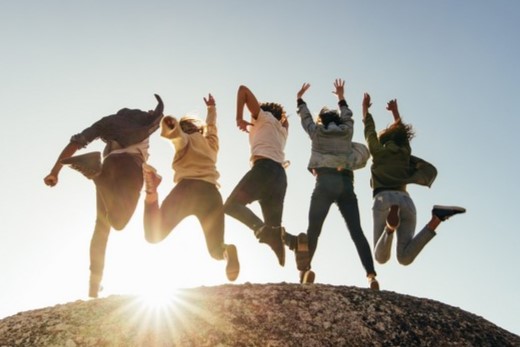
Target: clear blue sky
452 65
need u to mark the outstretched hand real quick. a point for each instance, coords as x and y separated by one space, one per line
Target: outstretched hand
302 90
339 85
366 104
392 107
210 101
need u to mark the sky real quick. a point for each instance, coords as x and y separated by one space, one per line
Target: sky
452 66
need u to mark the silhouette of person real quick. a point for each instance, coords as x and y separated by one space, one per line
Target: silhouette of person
118 178
332 163
196 186
266 181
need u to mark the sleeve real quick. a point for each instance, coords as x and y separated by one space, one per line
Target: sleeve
308 124
175 135
89 134
211 131
345 116
371 136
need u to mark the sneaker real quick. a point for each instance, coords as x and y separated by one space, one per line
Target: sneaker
94 286
373 283
445 212
273 238
392 220
307 276
301 252
88 164
233 266
151 179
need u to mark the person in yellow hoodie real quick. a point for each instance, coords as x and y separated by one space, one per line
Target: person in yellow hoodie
196 186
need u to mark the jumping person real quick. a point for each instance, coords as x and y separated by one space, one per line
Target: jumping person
266 181
118 179
332 164
393 168
196 186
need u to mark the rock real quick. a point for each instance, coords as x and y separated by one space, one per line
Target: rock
256 315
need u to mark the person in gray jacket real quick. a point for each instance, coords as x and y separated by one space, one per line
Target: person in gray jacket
331 164
118 179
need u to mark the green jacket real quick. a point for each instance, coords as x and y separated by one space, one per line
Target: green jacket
393 167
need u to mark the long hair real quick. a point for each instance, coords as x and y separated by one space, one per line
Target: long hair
191 122
400 133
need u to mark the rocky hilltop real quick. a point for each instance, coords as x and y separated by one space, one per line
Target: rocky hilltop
256 315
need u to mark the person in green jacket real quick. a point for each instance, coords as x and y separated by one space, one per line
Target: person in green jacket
393 168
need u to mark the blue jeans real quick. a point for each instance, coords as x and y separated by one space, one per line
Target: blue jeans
337 187
266 183
409 245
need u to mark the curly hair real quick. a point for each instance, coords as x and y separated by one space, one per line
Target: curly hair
400 133
276 109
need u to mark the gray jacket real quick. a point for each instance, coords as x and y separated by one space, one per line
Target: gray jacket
332 146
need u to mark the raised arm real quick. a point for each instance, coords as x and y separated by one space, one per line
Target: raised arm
366 105
211 118
211 123
392 107
52 178
246 98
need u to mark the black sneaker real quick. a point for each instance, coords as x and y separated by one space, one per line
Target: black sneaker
273 238
392 220
301 253
88 164
307 276
445 212
233 266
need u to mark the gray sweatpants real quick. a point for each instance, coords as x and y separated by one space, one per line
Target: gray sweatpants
409 245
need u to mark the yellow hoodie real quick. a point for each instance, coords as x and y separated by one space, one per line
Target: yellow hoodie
195 154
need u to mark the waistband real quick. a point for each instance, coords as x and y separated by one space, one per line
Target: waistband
395 189
332 171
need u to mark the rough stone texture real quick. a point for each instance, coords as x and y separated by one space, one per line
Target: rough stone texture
256 315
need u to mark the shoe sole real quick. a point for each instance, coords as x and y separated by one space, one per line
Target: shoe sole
452 208
233 266
374 285
392 220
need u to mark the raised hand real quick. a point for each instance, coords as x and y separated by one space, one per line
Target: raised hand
366 104
302 91
210 101
392 107
339 85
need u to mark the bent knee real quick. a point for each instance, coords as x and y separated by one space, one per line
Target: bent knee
405 260
382 259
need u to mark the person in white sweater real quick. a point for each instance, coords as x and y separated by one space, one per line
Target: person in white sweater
196 187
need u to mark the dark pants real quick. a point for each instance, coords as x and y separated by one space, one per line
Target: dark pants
189 197
337 187
118 187
266 183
